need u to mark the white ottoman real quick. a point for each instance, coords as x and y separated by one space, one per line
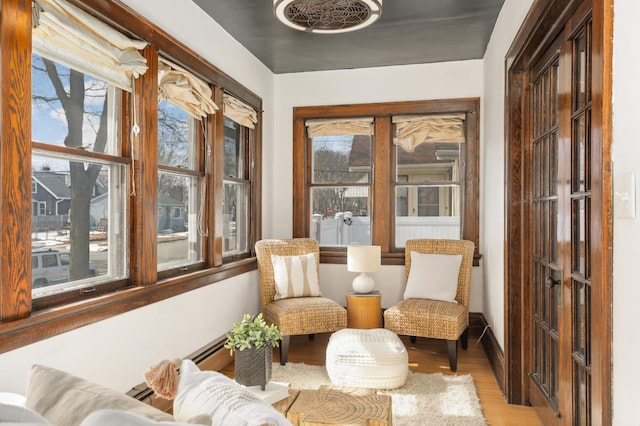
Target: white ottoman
373 358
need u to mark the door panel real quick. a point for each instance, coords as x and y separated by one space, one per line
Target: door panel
560 382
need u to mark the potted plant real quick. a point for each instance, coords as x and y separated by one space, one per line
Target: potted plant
253 340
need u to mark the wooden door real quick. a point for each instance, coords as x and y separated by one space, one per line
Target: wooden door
559 268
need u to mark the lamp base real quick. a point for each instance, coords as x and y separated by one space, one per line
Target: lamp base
363 283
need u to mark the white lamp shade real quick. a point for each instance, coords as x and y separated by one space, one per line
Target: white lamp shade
363 258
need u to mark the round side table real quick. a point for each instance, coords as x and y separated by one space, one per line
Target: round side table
364 310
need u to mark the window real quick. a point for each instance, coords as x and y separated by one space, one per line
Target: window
104 178
180 180
238 171
74 117
413 174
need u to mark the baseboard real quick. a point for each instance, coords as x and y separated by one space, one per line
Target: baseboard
477 326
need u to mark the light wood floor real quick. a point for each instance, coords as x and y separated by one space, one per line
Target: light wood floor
430 356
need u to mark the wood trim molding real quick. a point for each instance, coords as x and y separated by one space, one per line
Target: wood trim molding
544 22
479 328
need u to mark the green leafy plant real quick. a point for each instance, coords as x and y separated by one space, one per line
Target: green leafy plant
252 332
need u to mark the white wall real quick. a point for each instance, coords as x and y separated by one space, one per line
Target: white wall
368 85
626 237
116 352
492 159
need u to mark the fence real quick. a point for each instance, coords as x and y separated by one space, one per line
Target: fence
342 230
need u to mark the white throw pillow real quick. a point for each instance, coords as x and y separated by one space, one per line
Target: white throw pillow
295 276
214 394
11 414
122 418
433 276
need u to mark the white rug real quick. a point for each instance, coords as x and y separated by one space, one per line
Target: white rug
425 399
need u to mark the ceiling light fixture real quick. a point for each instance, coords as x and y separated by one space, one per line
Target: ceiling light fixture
327 16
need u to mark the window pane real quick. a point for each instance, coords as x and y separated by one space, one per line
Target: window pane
235 218
90 106
78 239
234 155
179 240
340 215
429 162
175 135
427 212
341 159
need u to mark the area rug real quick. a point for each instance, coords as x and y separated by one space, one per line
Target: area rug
425 399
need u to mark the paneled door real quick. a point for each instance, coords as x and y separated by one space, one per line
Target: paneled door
560 202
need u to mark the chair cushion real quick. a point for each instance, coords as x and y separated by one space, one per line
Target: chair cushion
221 398
295 276
427 318
306 315
433 276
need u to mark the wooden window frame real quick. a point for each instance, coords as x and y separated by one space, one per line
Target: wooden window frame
24 320
382 230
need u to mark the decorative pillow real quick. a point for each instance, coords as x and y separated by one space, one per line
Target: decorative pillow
64 399
295 276
224 400
433 276
121 418
11 414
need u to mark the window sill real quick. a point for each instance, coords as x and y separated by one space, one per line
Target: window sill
56 320
340 257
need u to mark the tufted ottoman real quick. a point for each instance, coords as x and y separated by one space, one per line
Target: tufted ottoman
374 358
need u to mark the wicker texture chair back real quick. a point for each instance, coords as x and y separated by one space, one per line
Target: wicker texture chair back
463 247
285 247
297 315
435 318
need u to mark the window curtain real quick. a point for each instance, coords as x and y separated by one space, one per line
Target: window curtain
184 90
69 36
340 126
411 131
238 111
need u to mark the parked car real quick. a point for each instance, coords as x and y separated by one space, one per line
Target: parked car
52 267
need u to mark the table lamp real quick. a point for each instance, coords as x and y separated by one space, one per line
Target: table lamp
363 259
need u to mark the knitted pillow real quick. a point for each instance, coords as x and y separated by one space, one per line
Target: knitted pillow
221 398
295 276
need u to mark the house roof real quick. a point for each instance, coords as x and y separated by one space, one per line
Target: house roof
425 153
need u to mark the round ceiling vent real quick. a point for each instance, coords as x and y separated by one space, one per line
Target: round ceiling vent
327 16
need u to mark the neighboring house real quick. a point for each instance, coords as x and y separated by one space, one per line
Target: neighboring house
428 162
171 214
51 199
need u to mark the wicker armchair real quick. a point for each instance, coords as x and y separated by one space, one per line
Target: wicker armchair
434 318
299 315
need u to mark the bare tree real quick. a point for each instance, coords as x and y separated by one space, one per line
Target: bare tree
82 176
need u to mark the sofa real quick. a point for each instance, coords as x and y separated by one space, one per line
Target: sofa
55 397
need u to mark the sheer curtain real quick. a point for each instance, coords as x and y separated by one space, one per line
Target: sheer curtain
185 90
340 126
238 111
69 36
411 131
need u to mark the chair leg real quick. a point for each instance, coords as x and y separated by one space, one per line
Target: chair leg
413 339
284 349
464 339
312 336
452 348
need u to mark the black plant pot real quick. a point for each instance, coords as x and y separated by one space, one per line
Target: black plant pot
253 366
